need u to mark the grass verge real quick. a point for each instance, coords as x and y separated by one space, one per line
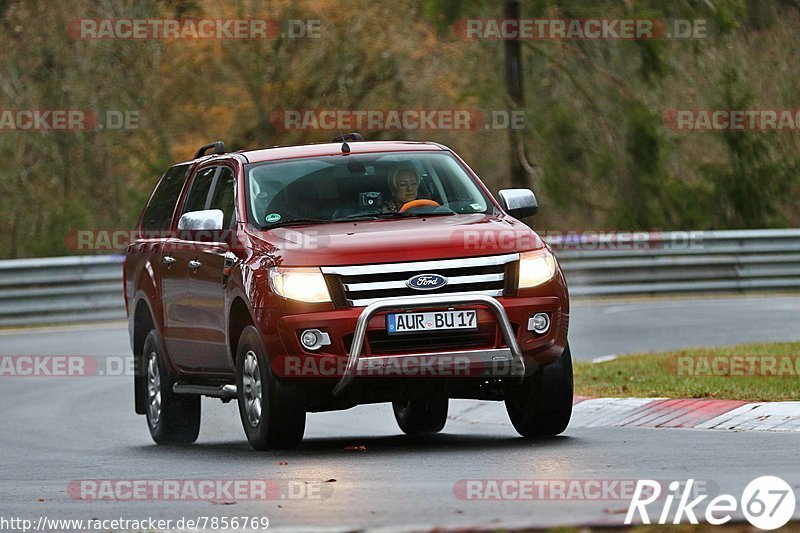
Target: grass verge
750 372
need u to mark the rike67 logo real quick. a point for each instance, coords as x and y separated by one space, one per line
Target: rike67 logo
767 502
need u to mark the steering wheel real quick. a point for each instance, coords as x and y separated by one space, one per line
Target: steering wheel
418 203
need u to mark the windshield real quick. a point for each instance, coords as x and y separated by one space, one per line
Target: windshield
381 185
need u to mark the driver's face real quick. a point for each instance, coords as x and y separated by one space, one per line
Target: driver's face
407 186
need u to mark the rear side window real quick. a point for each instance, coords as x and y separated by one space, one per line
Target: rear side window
158 213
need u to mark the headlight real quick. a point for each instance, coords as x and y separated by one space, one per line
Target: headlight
536 268
302 284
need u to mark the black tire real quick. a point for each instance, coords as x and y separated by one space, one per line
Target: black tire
281 414
542 405
176 418
421 417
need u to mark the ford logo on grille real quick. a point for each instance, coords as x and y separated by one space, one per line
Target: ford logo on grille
426 282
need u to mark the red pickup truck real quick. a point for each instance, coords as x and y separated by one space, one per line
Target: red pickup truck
315 278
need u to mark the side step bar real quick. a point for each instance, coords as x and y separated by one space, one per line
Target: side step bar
224 392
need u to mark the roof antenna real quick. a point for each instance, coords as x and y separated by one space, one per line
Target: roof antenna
345 146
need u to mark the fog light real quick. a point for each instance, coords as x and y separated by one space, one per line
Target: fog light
539 323
314 339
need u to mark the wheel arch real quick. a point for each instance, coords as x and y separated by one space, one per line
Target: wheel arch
143 323
239 317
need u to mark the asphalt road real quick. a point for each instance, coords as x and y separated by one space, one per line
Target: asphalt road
58 430
620 327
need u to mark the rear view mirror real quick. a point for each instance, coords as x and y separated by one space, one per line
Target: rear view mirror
206 220
519 203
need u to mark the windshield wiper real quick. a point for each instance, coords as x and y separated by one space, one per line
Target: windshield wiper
357 216
295 222
394 214
373 216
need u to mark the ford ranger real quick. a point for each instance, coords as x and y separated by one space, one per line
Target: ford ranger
320 277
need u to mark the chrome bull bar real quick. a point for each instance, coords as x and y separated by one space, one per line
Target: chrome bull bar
415 302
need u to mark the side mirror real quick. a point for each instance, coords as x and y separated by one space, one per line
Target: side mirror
519 203
206 220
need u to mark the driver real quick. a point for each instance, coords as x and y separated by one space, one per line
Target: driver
404 185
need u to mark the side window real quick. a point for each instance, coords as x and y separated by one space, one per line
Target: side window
223 194
198 194
158 213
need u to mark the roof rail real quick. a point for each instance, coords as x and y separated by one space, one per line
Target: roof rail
218 146
347 137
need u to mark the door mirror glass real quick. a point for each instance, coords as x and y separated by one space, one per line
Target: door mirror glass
519 203
205 220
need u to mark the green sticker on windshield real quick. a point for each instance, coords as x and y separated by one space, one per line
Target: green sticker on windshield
273 217
476 207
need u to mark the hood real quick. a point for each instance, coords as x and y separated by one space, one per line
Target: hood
395 240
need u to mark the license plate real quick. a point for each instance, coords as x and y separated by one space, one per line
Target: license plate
431 321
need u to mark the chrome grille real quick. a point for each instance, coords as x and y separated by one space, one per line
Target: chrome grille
360 285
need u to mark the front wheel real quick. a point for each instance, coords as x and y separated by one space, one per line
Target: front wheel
172 418
273 413
542 405
420 417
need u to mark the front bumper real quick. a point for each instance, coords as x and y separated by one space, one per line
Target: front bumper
508 348
510 353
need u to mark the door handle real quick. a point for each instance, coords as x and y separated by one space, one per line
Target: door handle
168 259
195 264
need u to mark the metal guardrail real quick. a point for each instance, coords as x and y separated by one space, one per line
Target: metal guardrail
89 288
57 290
682 262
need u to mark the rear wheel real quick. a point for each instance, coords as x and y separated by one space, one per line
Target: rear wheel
420 417
172 418
273 413
542 405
